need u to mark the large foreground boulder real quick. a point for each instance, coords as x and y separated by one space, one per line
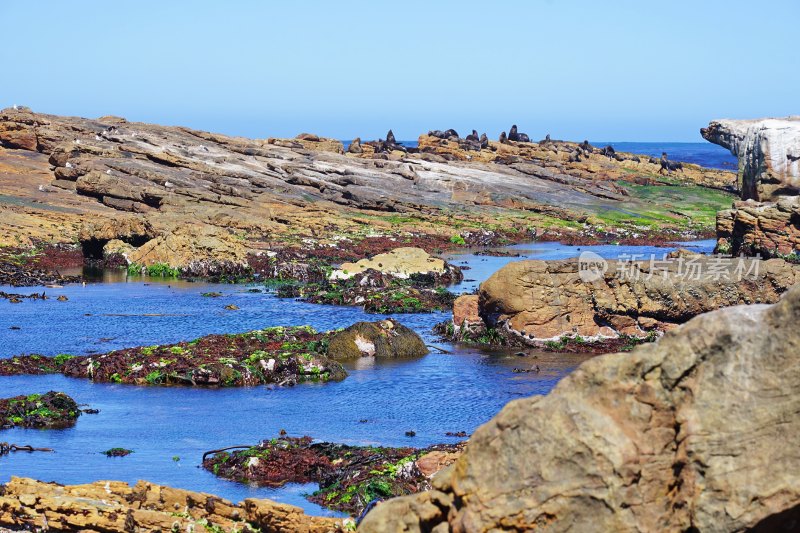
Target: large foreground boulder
387 338
540 300
696 432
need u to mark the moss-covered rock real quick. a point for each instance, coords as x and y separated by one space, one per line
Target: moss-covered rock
50 410
386 338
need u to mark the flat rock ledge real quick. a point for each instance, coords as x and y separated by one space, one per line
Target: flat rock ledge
113 506
695 432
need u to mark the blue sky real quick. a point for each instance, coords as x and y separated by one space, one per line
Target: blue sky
602 70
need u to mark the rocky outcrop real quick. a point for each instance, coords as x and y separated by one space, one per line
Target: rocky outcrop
403 263
768 152
387 338
116 507
533 301
466 311
94 180
767 222
693 433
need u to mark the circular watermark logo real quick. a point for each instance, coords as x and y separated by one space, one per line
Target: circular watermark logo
591 267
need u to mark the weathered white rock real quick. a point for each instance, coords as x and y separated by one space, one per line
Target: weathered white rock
768 152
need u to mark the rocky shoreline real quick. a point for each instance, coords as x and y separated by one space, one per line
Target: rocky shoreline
116 507
679 432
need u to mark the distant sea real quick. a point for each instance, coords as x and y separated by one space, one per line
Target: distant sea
703 154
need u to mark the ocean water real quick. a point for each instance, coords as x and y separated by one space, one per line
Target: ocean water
703 153
457 388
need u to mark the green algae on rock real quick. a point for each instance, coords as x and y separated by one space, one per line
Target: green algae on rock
49 410
279 355
282 355
349 477
375 292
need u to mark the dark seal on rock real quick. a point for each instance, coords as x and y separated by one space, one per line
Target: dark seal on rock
669 166
355 146
514 135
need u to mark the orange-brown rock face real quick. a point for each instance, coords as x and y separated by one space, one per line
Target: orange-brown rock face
753 228
539 300
113 506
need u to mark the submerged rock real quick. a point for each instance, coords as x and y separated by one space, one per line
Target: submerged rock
116 507
695 432
387 338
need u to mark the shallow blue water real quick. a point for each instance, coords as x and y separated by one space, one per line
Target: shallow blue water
456 391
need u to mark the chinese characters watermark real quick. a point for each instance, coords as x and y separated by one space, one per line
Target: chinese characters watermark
694 267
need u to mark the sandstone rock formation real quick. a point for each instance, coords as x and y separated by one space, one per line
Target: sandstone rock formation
466 311
387 338
768 221
693 433
402 263
113 506
67 179
765 228
539 300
